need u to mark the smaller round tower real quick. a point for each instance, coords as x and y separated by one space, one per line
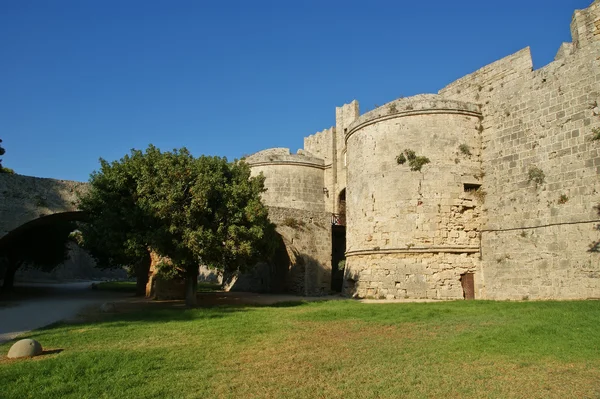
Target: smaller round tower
292 180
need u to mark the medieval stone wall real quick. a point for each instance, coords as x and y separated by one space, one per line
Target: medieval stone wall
26 198
541 169
406 230
302 265
344 117
321 145
510 193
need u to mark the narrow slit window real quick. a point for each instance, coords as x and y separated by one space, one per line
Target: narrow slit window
471 187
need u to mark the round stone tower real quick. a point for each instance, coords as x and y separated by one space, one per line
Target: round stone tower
413 172
295 196
292 180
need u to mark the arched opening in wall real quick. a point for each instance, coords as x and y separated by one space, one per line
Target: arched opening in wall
42 242
338 244
342 207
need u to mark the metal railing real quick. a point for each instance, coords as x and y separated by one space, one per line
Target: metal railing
338 219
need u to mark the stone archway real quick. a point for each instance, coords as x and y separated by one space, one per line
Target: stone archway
12 243
338 243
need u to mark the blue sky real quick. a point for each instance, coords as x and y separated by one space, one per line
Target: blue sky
85 79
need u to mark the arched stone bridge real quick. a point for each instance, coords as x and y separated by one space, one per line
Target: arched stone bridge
26 201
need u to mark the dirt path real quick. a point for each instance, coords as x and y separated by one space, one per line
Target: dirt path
38 305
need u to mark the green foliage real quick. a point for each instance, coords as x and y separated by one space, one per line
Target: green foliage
167 271
42 247
596 135
465 149
191 210
341 264
415 161
2 152
563 199
117 232
536 175
2 168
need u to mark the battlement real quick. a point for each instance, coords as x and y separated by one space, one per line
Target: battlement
320 144
283 156
415 105
585 25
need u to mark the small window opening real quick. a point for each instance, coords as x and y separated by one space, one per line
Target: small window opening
471 187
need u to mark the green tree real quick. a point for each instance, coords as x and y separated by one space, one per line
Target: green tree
116 231
207 210
43 247
2 152
192 210
2 168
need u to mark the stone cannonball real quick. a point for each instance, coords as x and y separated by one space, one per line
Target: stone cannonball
25 348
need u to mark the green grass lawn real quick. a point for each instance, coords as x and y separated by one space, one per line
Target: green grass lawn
129 286
336 349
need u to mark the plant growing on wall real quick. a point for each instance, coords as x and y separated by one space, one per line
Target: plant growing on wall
465 149
596 135
416 162
2 168
536 175
563 199
293 223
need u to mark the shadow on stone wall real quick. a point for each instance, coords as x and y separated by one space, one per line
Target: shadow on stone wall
290 270
26 198
79 266
595 246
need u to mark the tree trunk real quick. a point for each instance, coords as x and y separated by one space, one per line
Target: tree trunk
191 287
141 274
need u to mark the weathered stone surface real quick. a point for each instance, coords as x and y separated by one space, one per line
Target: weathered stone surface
413 234
25 348
25 198
475 208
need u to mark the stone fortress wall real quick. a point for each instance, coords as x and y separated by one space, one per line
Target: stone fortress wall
476 208
508 199
536 237
25 198
296 201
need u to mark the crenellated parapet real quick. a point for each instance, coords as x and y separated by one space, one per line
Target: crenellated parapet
585 25
291 180
422 104
283 156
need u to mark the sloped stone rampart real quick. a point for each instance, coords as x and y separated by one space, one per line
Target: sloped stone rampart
26 198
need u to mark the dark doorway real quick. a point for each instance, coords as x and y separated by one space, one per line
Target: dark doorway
468 285
338 256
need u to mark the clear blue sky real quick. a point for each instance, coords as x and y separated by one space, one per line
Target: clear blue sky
85 79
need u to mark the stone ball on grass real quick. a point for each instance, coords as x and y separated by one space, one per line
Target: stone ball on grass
25 348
